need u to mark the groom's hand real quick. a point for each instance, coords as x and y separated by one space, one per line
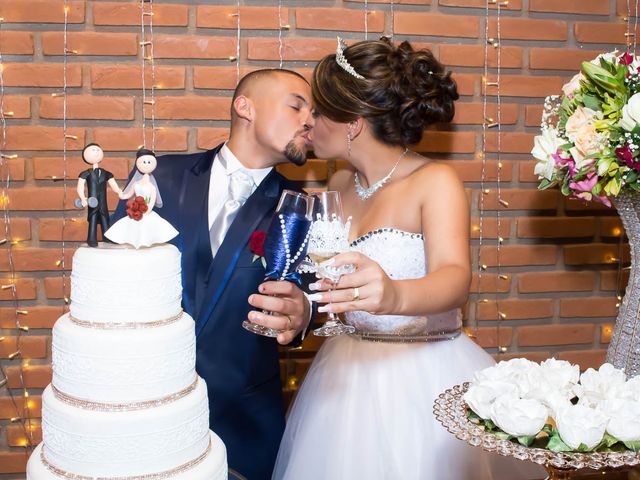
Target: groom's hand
288 306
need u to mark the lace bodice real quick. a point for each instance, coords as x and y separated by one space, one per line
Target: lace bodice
143 190
402 256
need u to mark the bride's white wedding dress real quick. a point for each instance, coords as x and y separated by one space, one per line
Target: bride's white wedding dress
149 230
365 408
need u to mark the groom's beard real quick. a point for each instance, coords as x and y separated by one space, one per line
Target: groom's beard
295 154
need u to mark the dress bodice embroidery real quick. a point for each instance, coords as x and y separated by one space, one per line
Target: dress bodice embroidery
401 255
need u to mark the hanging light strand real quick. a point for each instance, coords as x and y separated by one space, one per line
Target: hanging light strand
280 42
501 202
238 37
366 19
143 50
5 171
65 138
393 18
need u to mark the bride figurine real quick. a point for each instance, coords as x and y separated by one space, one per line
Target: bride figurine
142 227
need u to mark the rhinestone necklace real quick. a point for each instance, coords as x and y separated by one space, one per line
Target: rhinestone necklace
365 193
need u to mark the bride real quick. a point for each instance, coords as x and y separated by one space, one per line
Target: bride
365 407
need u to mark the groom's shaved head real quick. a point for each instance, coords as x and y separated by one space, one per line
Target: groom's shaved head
249 85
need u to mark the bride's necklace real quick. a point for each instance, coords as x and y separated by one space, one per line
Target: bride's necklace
365 193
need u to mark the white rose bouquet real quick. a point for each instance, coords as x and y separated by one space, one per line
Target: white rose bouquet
590 142
550 405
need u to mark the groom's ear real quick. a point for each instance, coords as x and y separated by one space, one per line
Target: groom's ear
243 108
355 127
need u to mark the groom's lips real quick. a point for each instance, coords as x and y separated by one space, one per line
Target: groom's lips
307 141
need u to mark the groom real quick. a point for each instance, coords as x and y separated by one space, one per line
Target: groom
270 118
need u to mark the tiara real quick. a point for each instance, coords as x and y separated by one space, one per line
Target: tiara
343 62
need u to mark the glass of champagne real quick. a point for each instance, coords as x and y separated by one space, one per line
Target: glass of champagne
329 237
285 245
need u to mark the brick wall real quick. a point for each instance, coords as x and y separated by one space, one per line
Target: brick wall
558 259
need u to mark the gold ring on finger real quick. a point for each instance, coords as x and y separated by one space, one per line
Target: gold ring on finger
356 293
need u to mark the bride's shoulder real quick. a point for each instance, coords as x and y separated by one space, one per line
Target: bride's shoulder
436 173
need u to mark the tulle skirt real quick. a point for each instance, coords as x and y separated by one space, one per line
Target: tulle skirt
151 229
365 411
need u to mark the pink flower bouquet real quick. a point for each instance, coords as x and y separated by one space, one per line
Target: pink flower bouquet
590 141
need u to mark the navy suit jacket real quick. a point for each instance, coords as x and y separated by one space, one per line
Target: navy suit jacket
241 369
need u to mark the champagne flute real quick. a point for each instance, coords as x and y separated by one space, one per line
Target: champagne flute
285 245
329 237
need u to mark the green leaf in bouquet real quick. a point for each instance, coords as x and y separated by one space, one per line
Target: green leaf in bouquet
526 441
603 78
565 190
612 188
582 448
609 440
632 176
635 186
591 102
604 164
597 188
502 435
635 446
566 146
544 184
556 444
548 429
488 424
473 416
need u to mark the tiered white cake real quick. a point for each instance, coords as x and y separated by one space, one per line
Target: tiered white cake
125 402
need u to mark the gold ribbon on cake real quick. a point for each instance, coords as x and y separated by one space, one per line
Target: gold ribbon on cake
147 476
125 325
122 407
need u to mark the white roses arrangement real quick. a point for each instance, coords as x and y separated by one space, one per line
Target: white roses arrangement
550 405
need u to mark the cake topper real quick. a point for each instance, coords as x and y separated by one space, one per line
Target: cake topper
95 179
142 227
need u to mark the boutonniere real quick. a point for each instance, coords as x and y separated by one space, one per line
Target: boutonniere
256 245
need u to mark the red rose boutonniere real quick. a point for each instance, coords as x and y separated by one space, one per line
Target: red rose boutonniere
256 245
136 207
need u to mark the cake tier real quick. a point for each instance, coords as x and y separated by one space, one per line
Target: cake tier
118 366
118 284
125 443
212 467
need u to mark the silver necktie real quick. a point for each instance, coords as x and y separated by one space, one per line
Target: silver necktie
240 189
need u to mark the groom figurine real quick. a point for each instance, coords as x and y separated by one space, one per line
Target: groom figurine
217 199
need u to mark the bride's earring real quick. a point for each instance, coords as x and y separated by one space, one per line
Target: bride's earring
349 144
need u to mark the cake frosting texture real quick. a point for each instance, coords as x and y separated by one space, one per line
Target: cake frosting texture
125 401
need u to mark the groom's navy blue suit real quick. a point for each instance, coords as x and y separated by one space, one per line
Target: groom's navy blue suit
241 369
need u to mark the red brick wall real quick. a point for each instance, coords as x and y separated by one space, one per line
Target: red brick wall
558 289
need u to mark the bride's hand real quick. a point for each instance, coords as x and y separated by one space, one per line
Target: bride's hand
368 289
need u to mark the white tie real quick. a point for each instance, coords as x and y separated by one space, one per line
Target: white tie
240 189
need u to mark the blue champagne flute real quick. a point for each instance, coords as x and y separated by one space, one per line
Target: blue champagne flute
285 245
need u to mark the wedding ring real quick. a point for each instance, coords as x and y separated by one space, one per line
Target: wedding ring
356 293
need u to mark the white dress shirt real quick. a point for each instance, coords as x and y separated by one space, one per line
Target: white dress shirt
219 180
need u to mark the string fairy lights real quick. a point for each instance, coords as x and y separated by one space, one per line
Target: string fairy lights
489 123
23 414
147 58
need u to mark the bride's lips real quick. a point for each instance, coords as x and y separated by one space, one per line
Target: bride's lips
307 139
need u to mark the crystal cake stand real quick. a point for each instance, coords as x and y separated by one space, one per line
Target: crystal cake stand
451 410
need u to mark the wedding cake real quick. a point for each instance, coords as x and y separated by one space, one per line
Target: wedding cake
125 401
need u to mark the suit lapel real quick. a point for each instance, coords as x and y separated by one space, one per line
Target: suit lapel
193 208
261 203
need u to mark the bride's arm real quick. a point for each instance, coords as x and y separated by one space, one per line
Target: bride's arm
445 222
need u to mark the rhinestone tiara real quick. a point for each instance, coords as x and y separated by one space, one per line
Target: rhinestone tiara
343 62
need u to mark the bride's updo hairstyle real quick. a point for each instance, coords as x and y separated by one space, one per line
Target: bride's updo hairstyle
402 92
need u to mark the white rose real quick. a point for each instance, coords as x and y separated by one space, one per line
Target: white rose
519 417
624 418
515 371
544 147
560 374
596 385
579 424
631 113
480 396
629 390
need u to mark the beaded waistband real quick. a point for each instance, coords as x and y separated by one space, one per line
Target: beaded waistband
439 336
123 407
148 476
125 325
